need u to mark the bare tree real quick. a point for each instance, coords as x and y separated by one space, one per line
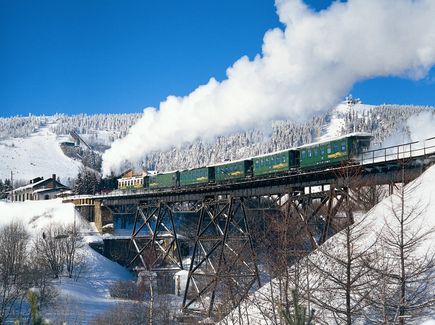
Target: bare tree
367 197
342 265
38 275
50 249
121 314
406 266
149 256
13 263
72 244
282 238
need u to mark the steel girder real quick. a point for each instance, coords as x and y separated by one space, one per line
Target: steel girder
223 266
154 238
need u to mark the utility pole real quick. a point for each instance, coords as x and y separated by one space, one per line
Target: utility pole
12 186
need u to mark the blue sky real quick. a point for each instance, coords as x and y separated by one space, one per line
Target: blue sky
109 56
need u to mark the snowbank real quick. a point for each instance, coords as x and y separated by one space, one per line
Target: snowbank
39 214
79 300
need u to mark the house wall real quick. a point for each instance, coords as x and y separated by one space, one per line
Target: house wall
46 196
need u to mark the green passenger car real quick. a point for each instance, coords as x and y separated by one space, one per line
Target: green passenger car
334 151
195 176
233 170
275 162
162 180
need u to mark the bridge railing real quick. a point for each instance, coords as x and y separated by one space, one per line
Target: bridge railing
401 151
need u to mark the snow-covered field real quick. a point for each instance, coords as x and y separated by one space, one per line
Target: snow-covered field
34 156
420 201
79 300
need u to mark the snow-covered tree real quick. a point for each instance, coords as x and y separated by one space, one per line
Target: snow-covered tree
86 182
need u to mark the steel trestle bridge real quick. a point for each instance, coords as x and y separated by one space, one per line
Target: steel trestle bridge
222 259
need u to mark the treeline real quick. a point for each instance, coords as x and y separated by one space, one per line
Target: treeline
5 188
89 181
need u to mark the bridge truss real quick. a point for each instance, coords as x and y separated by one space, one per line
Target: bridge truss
222 264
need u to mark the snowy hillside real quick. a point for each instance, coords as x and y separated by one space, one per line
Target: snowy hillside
29 145
388 124
337 119
38 154
80 300
368 243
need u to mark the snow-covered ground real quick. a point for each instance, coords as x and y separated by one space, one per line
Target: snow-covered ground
79 300
421 201
34 156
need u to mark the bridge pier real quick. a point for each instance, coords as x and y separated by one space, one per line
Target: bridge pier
223 257
102 215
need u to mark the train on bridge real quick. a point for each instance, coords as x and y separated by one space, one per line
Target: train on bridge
323 154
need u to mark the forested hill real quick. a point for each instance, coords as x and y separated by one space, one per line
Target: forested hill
384 122
101 130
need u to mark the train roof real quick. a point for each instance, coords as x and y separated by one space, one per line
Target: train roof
354 134
251 158
229 162
168 172
276 152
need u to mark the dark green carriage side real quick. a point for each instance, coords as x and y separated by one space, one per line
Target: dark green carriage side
164 180
333 152
194 176
275 163
233 170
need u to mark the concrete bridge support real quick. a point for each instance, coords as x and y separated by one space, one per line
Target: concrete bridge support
102 215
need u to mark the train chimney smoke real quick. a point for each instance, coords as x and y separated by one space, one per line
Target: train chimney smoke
302 70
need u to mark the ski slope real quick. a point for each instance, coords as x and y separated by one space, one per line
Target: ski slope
337 117
34 156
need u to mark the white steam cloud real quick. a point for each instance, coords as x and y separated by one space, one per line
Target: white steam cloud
301 71
422 126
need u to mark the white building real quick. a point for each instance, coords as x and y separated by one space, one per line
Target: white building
39 189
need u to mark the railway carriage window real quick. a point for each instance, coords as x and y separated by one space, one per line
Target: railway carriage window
336 147
303 154
343 146
322 151
315 152
309 153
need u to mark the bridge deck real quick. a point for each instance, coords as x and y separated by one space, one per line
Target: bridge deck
375 167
